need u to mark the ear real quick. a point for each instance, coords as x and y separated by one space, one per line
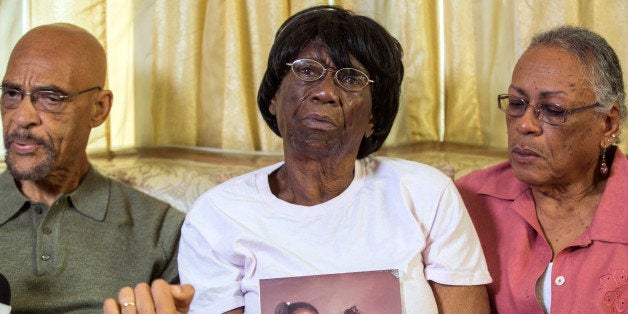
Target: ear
273 106
370 126
611 126
100 108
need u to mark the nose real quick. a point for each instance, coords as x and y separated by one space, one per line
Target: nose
529 122
25 115
326 91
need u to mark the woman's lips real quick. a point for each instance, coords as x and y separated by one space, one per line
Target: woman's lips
523 155
319 122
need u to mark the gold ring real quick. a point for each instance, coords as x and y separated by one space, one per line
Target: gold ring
127 304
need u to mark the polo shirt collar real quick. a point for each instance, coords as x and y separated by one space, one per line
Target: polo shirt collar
502 186
611 218
12 199
91 198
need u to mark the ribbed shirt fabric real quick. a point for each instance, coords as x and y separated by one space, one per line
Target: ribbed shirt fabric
70 257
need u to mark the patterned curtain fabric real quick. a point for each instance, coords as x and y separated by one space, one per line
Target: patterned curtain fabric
187 72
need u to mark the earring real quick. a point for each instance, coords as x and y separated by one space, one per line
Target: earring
603 166
611 139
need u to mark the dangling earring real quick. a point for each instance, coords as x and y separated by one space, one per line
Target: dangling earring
603 166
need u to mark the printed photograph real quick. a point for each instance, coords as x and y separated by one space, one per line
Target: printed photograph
346 293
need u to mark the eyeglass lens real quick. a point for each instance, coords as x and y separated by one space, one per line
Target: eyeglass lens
550 113
44 100
348 78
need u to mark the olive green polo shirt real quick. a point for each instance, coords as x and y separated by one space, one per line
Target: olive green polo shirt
73 255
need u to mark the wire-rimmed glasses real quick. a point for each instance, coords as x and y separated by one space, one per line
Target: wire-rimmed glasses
42 100
348 78
549 113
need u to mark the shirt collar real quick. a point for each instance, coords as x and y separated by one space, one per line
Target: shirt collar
12 199
501 185
610 220
611 217
91 198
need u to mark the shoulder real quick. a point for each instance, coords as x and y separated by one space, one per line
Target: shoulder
121 192
124 200
240 184
490 190
233 192
244 179
404 171
495 175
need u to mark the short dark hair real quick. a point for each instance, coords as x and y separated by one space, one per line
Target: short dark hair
598 58
344 34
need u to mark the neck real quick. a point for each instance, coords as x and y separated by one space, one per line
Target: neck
58 182
564 213
310 182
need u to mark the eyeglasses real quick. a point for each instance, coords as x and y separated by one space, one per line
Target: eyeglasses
549 113
348 78
42 100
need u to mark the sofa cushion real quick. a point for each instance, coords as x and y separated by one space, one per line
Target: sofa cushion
179 175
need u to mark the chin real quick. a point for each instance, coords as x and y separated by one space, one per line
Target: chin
315 142
28 168
530 175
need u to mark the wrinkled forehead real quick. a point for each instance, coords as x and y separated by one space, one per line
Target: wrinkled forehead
337 56
42 67
56 57
546 61
545 71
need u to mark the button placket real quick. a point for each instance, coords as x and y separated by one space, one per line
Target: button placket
48 237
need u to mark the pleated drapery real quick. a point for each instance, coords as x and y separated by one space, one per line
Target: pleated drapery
187 72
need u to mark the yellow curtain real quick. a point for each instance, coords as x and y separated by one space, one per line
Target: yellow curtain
187 72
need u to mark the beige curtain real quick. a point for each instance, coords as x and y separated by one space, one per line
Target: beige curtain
187 72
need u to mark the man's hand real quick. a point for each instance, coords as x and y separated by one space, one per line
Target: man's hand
160 297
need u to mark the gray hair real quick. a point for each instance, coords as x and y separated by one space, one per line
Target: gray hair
599 59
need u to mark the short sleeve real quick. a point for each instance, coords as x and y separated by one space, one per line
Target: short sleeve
453 255
215 278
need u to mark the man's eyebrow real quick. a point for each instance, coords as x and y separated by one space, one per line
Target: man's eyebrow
6 84
51 88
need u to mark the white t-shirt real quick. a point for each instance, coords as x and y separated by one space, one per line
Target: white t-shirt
396 214
544 289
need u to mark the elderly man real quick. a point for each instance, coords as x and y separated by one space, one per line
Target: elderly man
70 237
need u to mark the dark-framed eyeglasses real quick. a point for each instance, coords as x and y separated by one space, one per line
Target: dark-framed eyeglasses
348 78
549 113
42 100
